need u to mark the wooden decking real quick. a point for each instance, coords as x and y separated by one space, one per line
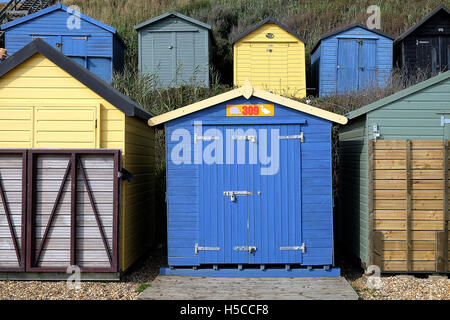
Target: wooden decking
206 288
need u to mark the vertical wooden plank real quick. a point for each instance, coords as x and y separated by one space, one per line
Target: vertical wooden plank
73 208
442 237
408 207
374 257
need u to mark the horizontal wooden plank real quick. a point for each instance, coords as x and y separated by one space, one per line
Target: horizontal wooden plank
416 245
415 235
393 266
415 214
416 255
401 144
415 225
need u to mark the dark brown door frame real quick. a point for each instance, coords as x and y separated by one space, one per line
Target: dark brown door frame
20 252
113 255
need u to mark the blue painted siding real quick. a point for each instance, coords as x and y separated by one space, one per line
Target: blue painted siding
187 59
97 49
328 56
314 204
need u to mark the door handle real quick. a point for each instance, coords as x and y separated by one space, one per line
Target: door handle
233 194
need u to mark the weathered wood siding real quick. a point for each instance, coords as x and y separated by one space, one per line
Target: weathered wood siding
13 188
282 70
90 251
186 62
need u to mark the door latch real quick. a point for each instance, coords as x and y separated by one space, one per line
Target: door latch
249 249
233 194
249 138
301 248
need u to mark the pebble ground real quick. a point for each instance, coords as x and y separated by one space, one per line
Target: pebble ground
133 283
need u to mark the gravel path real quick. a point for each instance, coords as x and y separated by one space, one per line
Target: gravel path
133 283
128 289
399 287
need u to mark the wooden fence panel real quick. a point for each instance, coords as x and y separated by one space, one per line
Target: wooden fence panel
409 186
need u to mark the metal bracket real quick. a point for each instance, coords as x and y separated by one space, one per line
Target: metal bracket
444 121
250 249
249 138
197 248
300 136
204 138
376 133
302 248
233 194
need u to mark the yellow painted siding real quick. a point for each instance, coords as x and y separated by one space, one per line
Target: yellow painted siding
276 64
138 226
42 106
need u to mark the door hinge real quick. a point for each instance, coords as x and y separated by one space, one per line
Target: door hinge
249 249
233 194
298 136
249 138
197 138
302 248
197 248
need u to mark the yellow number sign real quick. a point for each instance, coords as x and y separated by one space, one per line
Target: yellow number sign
250 110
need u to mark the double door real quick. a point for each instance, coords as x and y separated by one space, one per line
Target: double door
74 47
356 67
251 208
432 54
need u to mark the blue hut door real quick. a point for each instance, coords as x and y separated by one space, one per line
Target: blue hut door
75 48
275 209
356 64
54 41
251 204
367 63
347 68
223 235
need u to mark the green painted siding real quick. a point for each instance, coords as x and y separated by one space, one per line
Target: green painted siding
410 114
415 116
353 187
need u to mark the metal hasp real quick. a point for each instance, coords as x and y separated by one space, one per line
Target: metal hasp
197 138
197 248
302 248
249 138
250 249
233 194
299 136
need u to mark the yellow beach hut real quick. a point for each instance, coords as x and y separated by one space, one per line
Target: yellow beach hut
272 57
76 169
